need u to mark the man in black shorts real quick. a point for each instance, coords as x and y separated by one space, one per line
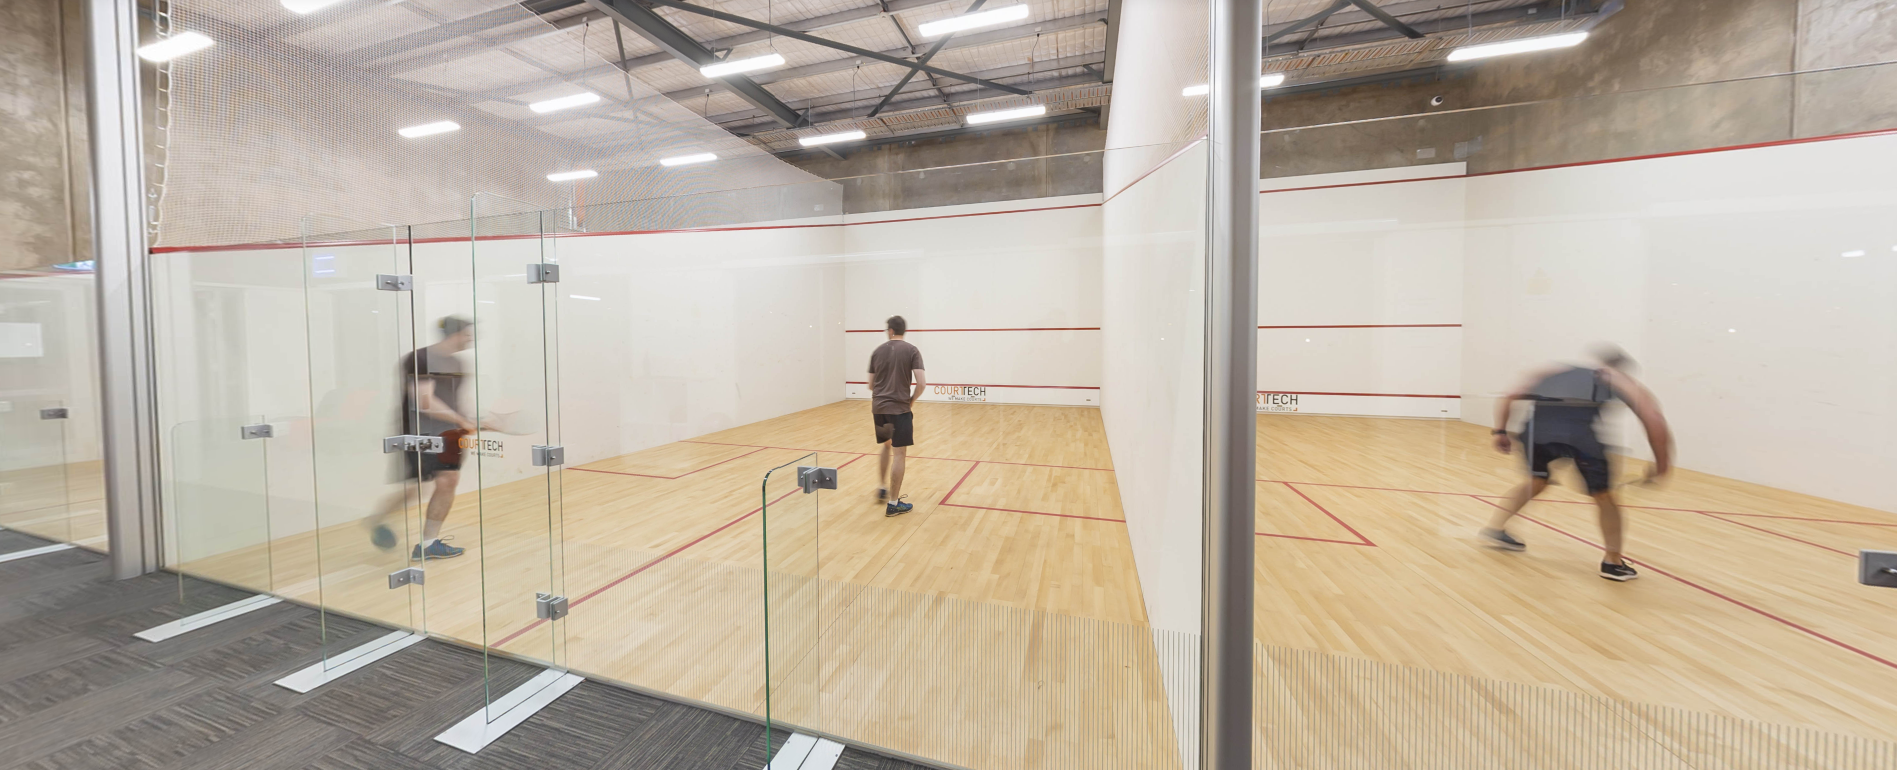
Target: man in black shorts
891 367
431 380
1564 425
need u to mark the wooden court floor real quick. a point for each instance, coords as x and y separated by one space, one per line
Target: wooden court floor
64 503
1001 622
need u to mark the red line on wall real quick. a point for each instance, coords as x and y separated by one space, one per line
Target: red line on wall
972 385
1486 498
1156 167
912 457
1579 164
1025 329
1367 395
1711 592
1371 326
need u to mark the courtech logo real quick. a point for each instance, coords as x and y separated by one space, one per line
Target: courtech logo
1277 402
485 447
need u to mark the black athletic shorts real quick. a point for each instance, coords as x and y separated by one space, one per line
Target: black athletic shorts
425 465
1591 462
902 428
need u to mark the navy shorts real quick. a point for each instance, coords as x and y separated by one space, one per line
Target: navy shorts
1591 462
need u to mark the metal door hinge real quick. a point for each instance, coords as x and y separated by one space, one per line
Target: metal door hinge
402 577
813 479
1877 568
384 282
549 607
549 455
54 413
424 444
543 272
260 430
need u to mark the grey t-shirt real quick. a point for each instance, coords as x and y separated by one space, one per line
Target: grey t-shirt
891 366
444 370
1567 406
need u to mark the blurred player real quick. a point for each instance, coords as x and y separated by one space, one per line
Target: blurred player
892 398
432 406
1564 423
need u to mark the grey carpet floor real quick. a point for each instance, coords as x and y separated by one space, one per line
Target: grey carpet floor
78 691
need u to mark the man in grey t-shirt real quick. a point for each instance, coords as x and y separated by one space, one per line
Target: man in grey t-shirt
892 396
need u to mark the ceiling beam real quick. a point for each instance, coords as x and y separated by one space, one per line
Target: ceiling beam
1389 21
911 74
1540 13
814 40
830 107
812 24
674 41
1316 18
878 141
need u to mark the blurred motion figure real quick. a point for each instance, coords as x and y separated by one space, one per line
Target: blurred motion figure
1565 423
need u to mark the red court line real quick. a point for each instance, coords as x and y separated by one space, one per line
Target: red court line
1370 326
1486 498
1370 395
1023 329
1776 534
680 476
1711 592
944 502
1340 522
922 457
650 564
976 385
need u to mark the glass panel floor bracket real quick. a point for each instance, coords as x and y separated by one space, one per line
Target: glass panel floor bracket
476 732
807 752
205 618
323 672
35 551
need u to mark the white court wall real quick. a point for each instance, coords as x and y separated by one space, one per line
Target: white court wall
1360 294
1757 288
1003 300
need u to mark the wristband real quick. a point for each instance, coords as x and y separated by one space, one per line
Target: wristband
1499 432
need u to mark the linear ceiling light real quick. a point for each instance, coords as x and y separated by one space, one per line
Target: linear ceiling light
847 136
568 176
430 129
974 20
1017 114
752 64
550 105
308 6
1569 40
175 46
1272 80
686 160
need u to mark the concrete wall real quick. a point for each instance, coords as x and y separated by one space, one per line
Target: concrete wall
981 167
43 205
1607 105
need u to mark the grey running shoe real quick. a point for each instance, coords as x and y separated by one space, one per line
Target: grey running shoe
1499 538
1618 572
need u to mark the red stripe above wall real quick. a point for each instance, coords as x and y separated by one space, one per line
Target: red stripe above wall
1370 326
1366 395
978 385
1026 329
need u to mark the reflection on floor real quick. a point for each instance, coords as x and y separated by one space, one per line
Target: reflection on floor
77 691
63 503
1001 623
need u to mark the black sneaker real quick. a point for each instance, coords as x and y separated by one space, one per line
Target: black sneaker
882 495
1619 572
897 507
383 537
436 550
1500 538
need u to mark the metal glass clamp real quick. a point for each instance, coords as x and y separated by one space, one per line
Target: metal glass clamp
549 456
54 413
549 607
543 272
260 430
814 478
385 282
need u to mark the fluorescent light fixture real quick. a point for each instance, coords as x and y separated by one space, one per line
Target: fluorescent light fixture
550 105
686 160
308 6
1857 253
847 136
175 46
1551 42
430 129
974 20
1272 80
752 64
584 297
568 176
1016 114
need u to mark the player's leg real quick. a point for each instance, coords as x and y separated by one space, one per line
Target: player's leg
884 431
1591 462
1496 533
901 437
439 503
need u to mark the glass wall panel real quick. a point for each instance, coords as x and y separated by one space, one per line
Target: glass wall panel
50 476
1570 435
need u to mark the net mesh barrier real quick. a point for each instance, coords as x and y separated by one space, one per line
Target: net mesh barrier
290 115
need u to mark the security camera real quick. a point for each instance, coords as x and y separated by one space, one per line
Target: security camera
1436 101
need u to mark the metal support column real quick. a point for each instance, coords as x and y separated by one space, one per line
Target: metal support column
1231 378
119 256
